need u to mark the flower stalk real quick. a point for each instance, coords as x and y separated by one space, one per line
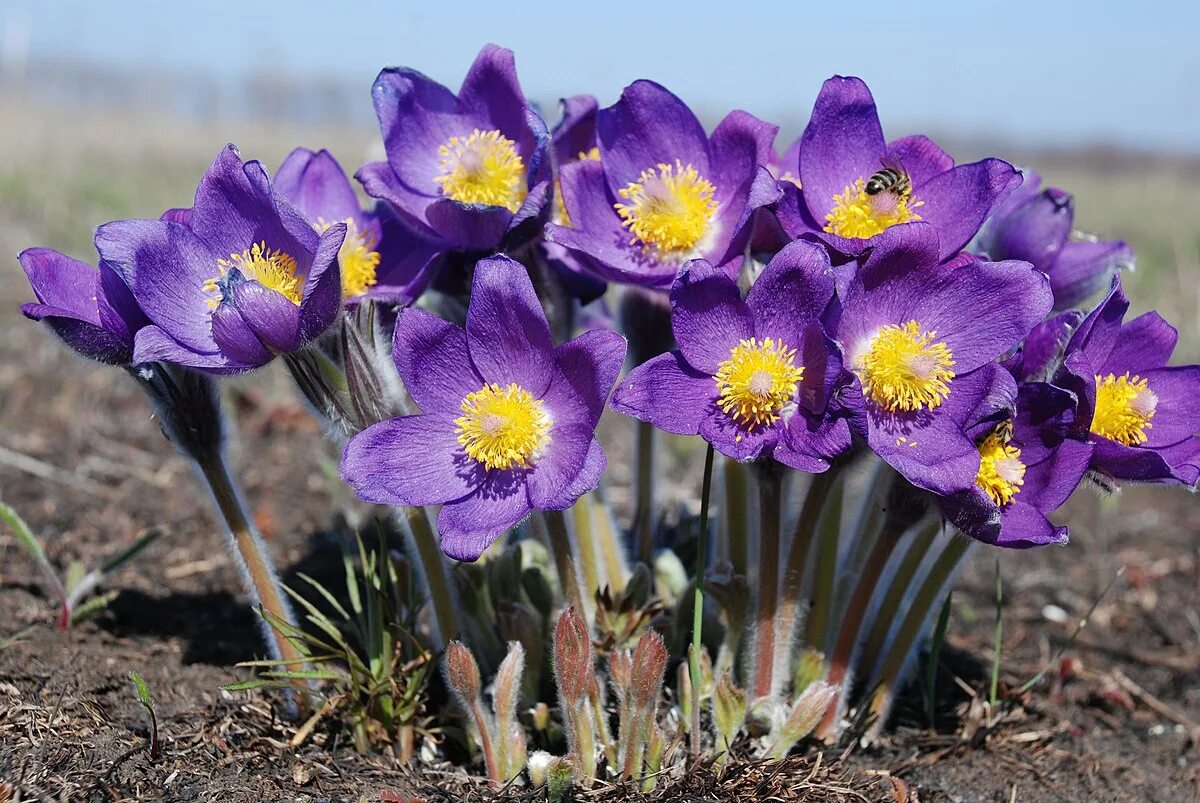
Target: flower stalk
698 605
770 490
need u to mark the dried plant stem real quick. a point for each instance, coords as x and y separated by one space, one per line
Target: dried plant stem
698 606
434 570
258 571
609 545
791 588
770 487
910 628
564 561
899 586
736 492
643 517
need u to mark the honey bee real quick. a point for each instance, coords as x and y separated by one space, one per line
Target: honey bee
890 179
1004 431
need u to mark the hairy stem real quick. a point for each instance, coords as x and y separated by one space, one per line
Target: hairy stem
770 484
581 517
564 561
734 502
698 606
611 552
434 570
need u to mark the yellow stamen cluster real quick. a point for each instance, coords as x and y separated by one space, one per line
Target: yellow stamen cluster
1124 407
757 380
269 267
503 427
1001 472
856 214
669 209
358 258
906 368
483 168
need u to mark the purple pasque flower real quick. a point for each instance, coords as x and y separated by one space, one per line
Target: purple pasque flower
921 339
507 420
663 192
1036 225
90 308
245 279
753 377
1028 466
843 148
1140 413
381 258
470 169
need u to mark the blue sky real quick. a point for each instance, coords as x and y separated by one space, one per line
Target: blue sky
1028 72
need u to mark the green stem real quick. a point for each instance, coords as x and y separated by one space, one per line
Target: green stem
643 518
770 485
560 546
792 587
698 607
434 570
735 496
257 570
825 574
914 620
899 586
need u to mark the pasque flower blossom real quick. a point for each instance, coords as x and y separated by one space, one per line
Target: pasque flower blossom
1029 466
90 308
921 339
381 258
246 278
1140 413
663 192
1036 225
507 420
843 148
470 169
753 377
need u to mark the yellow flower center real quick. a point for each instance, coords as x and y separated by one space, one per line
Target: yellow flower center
856 214
1001 472
757 380
1124 407
906 368
669 209
560 209
483 168
358 258
269 267
503 427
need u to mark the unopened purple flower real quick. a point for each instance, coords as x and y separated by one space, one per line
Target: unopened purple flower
1029 466
245 279
507 420
381 258
470 169
921 339
753 377
843 149
1140 413
1037 226
90 308
663 192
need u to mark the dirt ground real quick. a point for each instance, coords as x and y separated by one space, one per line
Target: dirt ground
82 460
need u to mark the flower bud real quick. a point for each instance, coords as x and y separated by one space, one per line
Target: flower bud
572 657
729 710
462 673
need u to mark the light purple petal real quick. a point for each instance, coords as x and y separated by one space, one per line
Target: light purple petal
555 472
507 332
710 318
322 300
586 369
271 316
316 184
1085 268
431 356
471 524
412 460
668 393
920 157
152 344
792 291
1145 342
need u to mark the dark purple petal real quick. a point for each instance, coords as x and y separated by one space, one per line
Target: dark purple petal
792 291
920 157
1136 464
471 524
408 262
735 440
1043 349
317 185
1051 481
586 369
470 226
118 309
273 318
1097 335
668 393
236 339
412 460
322 300
553 475
1177 415
62 282
90 340
1085 268
576 132
1023 525
507 333
959 200
182 216
380 181
646 127
842 143
710 318
1145 342
810 442
152 344
167 267
589 476
739 145
1035 231
431 356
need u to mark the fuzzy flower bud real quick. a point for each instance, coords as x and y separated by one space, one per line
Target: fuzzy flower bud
572 657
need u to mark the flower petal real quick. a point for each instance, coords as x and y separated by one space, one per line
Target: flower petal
316 184
431 356
554 474
1085 268
709 317
959 200
668 393
507 333
471 524
648 126
586 369
843 142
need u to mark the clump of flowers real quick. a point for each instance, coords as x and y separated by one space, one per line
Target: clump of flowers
858 306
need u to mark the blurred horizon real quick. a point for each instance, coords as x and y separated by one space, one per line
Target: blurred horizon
1038 77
